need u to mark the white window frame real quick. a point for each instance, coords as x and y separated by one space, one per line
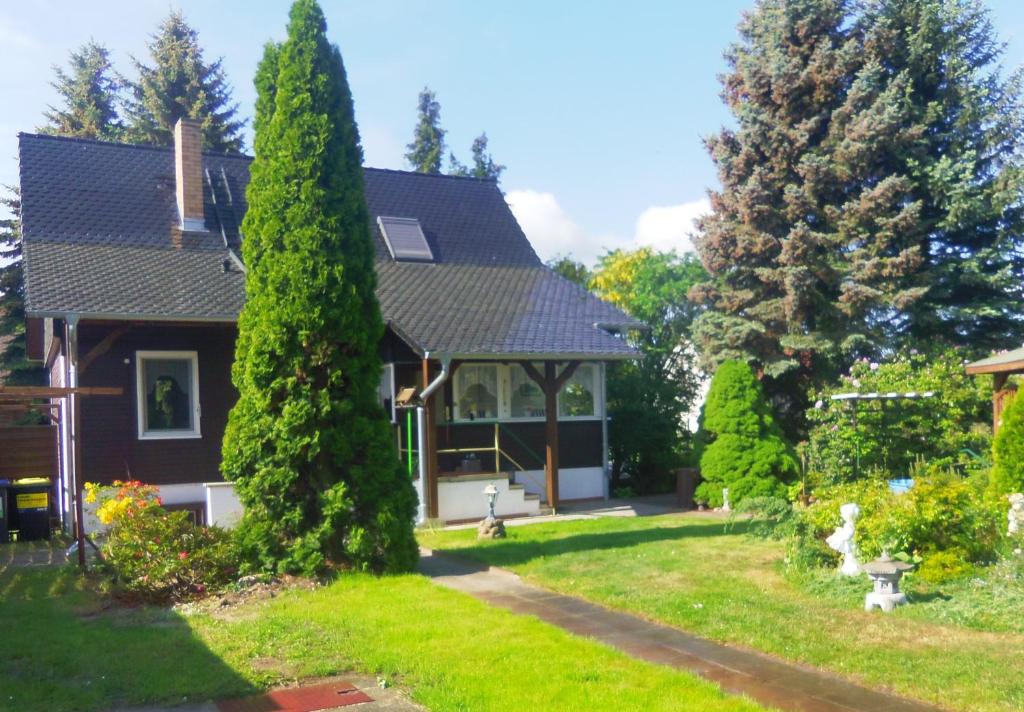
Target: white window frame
504 381
595 389
140 395
501 378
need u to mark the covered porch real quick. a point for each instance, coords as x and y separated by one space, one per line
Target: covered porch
536 428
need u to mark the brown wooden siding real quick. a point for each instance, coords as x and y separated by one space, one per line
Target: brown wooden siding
28 451
110 445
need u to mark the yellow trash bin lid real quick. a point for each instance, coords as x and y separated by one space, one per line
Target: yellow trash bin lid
32 481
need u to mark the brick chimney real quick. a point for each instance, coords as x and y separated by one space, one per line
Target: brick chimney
188 169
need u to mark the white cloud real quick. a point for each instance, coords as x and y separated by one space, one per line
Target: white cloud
553 232
550 230
670 227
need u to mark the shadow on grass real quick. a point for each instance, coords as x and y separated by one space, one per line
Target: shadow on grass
65 651
515 550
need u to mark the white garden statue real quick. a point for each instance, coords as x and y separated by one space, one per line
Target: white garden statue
725 500
1015 517
842 540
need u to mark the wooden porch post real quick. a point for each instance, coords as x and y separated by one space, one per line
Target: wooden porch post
430 441
551 434
550 383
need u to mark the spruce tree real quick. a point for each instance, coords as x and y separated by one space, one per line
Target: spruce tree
965 167
871 193
19 370
426 152
308 444
483 166
89 95
181 84
740 445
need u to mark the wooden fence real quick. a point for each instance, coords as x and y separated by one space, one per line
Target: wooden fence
28 451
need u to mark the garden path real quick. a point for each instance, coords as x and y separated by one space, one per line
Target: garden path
767 680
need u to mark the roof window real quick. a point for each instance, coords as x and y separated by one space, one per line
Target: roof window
405 239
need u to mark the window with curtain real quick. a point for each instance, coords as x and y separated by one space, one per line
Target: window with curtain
475 391
578 397
526 397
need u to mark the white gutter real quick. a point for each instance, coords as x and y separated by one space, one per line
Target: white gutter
421 482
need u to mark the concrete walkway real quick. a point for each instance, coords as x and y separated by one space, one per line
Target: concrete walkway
765 679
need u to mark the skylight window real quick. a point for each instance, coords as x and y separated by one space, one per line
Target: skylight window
405 239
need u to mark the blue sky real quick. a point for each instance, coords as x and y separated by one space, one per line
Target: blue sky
597 108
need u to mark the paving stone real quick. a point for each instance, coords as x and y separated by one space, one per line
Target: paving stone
768 680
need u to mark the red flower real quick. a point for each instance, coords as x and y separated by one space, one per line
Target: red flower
182 555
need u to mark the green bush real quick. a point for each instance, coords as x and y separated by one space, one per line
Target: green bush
740 445
951 429
158 556
1008 451
942 516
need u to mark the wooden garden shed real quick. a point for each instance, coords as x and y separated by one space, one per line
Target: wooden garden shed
1001 366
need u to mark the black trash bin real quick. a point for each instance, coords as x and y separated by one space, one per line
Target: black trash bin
4 512
31 508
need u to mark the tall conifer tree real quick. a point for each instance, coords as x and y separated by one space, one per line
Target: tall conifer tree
308 443
89 94
426 152
871 194
181 84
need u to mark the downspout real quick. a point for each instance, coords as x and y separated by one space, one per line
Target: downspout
71 325
605 466
421 444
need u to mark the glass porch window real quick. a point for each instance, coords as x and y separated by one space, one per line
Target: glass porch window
578 397
475 392
527 399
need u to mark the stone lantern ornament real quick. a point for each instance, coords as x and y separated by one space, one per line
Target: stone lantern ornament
885 574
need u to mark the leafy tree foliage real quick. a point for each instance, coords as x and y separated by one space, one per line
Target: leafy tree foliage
871 190
426 152
1008 450
308 443
648 399
950 429
89 94
19 370
483 163
181 84
740 446
575 272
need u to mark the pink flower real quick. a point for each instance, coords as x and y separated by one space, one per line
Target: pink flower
819 403
182 555
874 366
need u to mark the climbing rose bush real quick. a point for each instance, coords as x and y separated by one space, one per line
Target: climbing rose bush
155 555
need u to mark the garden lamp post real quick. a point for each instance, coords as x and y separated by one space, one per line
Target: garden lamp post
492 496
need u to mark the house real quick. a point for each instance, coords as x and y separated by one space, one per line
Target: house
134 277
1001 366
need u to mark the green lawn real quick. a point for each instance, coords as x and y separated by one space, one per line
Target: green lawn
687 571
64 651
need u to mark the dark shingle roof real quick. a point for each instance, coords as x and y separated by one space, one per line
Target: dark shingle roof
101 239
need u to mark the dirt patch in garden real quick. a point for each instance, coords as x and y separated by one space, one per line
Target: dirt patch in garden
234 603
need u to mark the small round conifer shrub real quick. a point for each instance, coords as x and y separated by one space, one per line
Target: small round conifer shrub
308 444
740 445
1008 449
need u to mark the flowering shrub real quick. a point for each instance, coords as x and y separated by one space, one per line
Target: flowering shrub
943 519
952 429
156 555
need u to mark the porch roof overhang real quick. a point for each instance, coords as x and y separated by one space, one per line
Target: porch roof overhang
1007 362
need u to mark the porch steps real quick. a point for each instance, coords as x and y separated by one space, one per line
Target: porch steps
460 497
